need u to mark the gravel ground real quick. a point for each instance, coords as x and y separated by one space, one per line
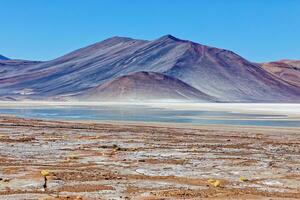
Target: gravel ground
146 162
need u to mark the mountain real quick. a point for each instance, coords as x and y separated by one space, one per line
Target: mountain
144 86
64 75
295 63
3 58
287 70
12 67
217 73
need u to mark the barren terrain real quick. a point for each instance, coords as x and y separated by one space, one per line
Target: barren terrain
146 162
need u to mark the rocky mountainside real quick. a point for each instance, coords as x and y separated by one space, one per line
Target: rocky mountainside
9 68
287 70
216 74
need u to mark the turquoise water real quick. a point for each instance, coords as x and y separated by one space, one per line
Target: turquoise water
142 113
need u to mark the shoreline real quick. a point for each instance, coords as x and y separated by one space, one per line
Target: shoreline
158 124
276 115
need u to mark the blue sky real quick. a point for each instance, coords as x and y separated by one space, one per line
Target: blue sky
259 30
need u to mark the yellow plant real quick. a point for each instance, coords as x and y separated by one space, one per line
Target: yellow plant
210 180
215 183
45 173
243 179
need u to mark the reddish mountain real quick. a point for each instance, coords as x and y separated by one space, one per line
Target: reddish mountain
287 70
144 86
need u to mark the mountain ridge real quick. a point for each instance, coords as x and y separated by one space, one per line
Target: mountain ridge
287 70
217 73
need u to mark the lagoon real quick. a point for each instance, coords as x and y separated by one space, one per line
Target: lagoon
282 115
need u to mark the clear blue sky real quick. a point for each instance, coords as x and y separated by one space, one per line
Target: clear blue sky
259 30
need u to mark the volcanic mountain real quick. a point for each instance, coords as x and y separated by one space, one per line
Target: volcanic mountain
144 86
287 70
110 67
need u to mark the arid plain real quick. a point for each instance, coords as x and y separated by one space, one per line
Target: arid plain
69 160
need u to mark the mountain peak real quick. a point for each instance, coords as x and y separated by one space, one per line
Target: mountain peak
120 39
170 37
116 37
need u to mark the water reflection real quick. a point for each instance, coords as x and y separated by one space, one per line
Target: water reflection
141 113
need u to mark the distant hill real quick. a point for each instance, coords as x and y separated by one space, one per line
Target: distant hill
287 70
144 86
3 58
215 73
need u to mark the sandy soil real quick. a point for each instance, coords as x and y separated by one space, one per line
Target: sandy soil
146 162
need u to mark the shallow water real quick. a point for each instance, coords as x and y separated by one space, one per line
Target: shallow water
146 113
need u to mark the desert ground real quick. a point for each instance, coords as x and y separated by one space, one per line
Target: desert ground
42 159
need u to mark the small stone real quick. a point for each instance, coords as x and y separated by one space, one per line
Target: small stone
6 180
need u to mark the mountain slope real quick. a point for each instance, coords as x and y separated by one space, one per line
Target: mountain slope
144 86
3 58
295 63
9 69
287 70
216 72
65 74
12 67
